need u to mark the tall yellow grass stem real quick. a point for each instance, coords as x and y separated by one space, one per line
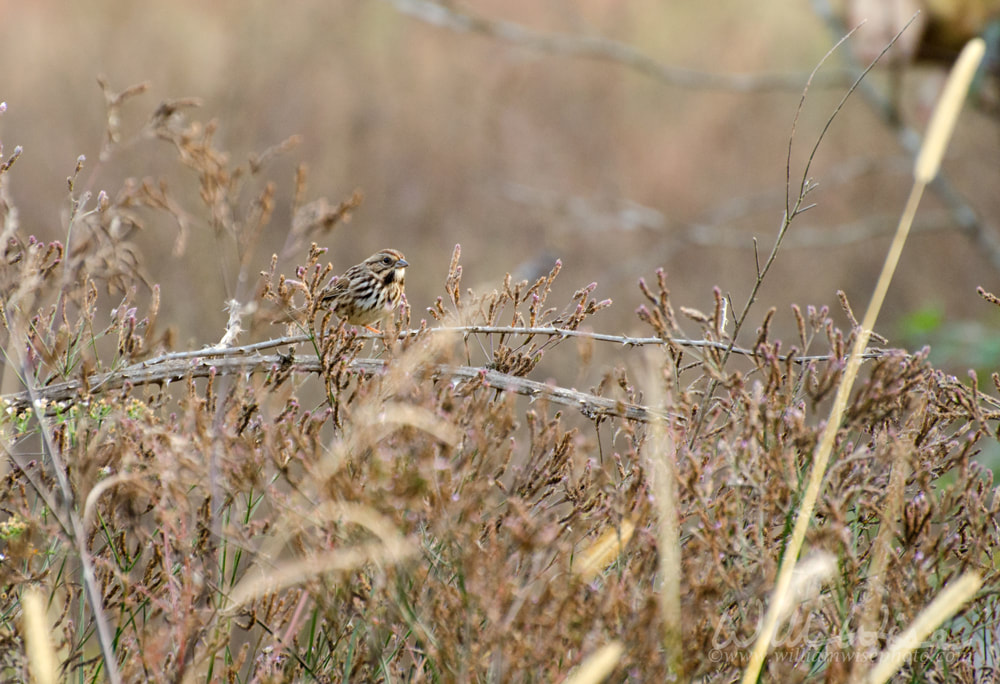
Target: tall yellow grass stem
661 453
596 668
41 655
661 456
946 114
591 561
944 605
882 552
928 162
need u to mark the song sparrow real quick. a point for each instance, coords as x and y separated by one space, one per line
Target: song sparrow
368 292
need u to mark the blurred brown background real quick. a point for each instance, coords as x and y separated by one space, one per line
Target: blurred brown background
520 155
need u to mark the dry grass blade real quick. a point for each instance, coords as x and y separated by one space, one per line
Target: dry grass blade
598 665
94 495
280 576
41 655
951 599
267 577
875 588
946 114
379 424
807 580
609 546
661 454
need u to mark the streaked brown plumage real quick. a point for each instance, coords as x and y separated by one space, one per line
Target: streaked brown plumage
368 292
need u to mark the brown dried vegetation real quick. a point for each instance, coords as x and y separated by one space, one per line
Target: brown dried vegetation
410 516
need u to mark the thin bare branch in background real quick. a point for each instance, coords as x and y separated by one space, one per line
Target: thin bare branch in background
605 49
984 234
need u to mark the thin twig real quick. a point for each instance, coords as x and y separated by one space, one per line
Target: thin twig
986 236
791 210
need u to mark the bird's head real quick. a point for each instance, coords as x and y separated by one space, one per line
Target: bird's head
386 262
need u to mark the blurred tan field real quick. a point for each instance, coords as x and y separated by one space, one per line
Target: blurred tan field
718 474
520 156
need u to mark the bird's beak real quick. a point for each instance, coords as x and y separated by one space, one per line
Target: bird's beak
402 263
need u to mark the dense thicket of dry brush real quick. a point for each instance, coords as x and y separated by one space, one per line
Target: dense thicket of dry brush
334 508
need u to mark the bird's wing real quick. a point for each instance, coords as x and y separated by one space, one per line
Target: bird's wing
339 284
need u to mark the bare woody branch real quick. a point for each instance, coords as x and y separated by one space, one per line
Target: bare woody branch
166 372
622 340
223 361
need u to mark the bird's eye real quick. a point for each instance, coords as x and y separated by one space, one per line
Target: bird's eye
386 260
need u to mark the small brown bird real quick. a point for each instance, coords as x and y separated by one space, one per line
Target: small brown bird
369 292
